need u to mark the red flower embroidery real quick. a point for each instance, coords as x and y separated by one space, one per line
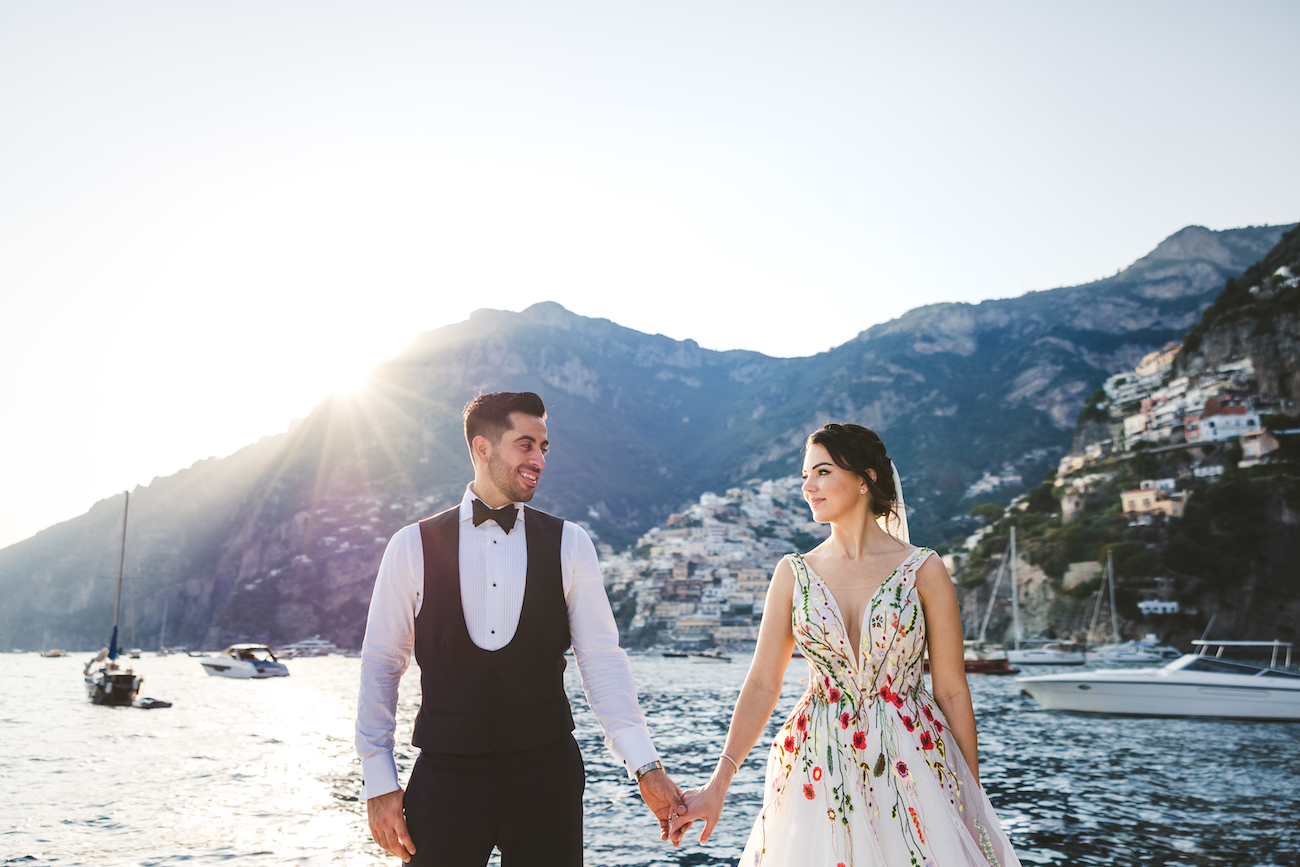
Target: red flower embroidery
897 700
827 678
808 791
835 695
802 723
925 709
860 741
885 694
789 744
844 720
938 726
927 742
900 767
907 721
817 773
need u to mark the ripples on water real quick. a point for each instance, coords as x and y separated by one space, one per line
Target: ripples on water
263 773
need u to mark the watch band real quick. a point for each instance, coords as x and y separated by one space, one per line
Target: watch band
640 772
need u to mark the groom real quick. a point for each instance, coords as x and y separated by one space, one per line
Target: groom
489 594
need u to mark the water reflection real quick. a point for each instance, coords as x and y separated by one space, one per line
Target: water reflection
263 773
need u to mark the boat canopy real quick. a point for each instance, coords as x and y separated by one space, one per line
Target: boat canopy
1274 645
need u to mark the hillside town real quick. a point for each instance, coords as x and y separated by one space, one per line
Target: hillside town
1184 417
701 579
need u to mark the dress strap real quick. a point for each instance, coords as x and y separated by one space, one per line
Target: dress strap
913 564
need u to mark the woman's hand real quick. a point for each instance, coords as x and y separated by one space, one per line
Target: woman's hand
703 804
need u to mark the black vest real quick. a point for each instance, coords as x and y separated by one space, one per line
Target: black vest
482 701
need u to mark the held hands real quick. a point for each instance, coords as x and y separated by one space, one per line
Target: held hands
663 797
704 803
388 824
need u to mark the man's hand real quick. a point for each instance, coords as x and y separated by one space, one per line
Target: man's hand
663 797
388 824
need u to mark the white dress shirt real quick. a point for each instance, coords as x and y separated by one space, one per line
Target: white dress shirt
493 571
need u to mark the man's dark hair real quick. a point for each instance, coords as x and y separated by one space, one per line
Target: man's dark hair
488 415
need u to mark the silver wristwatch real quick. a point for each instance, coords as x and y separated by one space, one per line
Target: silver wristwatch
640 772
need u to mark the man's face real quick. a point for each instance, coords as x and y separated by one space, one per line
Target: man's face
517 459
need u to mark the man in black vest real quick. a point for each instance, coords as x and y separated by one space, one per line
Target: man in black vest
489 595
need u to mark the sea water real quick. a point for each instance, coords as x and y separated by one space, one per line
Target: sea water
263 772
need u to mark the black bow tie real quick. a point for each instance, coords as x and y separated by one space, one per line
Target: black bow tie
504 516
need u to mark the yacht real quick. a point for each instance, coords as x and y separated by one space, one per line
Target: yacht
1201 684
314 646
244 661
1050 653
1144 652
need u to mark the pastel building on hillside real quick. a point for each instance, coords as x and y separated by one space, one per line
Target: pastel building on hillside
1216 422
1146 502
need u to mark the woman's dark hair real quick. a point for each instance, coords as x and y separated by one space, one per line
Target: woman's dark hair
857 449
489 414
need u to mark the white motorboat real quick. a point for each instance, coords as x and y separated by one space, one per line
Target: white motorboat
244 661
708 656
1143 652
1051 653
1201 684
314 646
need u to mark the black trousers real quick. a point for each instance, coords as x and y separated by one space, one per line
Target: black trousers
528 804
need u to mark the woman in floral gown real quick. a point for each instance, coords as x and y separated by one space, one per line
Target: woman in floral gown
871 769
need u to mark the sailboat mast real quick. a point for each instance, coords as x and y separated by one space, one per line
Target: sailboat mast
1114 618
162 633
1096 609
1015 591
121 563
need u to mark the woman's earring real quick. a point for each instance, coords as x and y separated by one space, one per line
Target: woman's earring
862 490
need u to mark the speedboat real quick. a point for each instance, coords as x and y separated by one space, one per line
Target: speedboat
1201 684
244 661
1148 650
1054 653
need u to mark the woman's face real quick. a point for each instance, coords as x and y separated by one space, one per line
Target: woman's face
830 490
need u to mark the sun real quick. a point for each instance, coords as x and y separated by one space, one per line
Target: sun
351 382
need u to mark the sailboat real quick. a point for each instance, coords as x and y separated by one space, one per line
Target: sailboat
1147 650
162 633
1040 653
107 682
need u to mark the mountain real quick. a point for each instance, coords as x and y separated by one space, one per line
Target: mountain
281 540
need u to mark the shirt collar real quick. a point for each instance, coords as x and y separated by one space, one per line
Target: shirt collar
467 504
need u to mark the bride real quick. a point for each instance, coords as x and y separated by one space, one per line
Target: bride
871 768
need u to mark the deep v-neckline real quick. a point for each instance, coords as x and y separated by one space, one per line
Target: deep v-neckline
863 627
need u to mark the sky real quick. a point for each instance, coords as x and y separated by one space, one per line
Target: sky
213 215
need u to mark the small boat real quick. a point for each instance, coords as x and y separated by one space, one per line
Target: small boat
1051 653
1194 685
54 653
314 646
1040 653
1143 652
244 661
980 662
673 654
708 656
107 682
1120 652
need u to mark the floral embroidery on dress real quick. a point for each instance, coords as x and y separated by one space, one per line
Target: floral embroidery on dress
867 743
